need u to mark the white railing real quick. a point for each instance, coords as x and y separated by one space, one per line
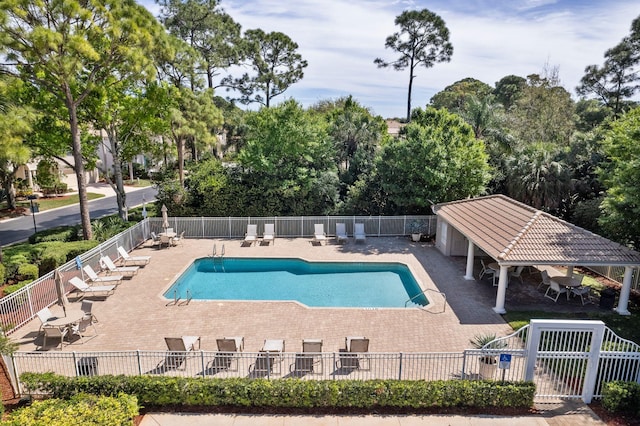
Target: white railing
616 273
293 226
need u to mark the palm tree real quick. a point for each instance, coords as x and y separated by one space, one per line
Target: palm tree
537 178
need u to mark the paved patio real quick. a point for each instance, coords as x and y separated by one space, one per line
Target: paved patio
136 316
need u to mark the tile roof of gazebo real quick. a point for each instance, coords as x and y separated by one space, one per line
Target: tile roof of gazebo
514 233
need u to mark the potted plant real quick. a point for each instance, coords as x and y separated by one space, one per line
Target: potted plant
488 363
416 229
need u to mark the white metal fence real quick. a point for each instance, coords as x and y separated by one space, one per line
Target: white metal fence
616 273
565 359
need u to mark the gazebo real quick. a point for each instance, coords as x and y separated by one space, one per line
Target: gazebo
515 234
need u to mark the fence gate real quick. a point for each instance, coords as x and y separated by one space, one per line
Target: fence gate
563 357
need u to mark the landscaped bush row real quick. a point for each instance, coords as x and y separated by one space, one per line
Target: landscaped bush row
61 233
623 397
80 409
290 393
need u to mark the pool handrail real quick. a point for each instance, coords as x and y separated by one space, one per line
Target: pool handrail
444 306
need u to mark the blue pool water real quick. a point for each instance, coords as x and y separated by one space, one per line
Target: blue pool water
315 284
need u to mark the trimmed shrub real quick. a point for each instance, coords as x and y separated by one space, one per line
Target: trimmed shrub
15 287
55 254
61 233
290 393
621 397
27 271
3 272
82 408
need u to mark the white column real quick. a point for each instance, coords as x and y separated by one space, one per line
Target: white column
623 300
470 260
502 290
569 270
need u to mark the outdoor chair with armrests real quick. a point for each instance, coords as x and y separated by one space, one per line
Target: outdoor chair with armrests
87 290
229 349
107 264
129 260
269 233
318 233
310 360
251 236
353 357
95 278
341 233
358 232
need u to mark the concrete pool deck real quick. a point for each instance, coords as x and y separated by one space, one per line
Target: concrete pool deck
136 316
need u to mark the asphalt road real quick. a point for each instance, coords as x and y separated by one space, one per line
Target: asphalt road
19 229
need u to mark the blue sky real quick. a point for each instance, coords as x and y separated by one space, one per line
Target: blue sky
491 39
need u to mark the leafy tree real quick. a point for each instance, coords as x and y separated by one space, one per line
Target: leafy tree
126 113
617 79
536 176
177 64
423 39
289 157
15 124
591 113
621 175
544 112
212 33
193 118
455 96
436 159
67 48
277 65
509 89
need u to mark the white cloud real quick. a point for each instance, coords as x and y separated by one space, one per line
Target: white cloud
491 40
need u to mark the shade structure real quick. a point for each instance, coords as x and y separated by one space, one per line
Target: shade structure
60 290
165 217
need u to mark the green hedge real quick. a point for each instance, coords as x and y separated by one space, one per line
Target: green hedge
290 393
55 254
80 409
61 233
621 397
28 271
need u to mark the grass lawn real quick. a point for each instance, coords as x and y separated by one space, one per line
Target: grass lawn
139 183
54 202
627 327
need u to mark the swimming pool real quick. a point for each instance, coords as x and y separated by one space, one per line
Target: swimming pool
315 284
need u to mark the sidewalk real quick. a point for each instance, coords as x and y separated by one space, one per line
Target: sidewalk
564 413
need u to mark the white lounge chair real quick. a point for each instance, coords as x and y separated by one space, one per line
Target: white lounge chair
318 233
87 290
252 234
94 278
129 260
269 233
107 263
341 233
358 232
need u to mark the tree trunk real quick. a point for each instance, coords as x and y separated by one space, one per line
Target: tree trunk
409 95
121 196
85 218
10 190
180 146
